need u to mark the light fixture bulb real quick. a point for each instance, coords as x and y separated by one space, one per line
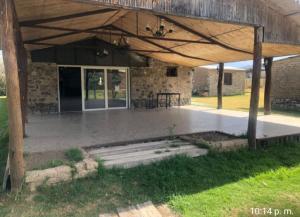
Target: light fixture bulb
148 28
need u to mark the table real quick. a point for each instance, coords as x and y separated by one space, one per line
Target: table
168 98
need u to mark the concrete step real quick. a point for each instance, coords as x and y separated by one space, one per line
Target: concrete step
141 153
136 147
144 153
129 162
128 212
108 215
146 209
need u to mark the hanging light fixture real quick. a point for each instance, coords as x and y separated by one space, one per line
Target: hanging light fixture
122 42
161 30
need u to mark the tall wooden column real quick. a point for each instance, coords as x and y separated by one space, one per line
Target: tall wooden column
220 85
9 36
257 56
268 68
22 67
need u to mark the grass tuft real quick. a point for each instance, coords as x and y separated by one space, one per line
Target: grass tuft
74 155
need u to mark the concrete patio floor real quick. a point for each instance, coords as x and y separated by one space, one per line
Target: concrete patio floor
64 131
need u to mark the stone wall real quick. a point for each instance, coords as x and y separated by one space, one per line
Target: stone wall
43 95
42 87
147 81
205 82
200 82
285 91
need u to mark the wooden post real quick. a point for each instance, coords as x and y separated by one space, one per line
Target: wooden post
268 68
9 36
22 67
252 122
220 85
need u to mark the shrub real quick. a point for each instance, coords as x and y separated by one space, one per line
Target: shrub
74 155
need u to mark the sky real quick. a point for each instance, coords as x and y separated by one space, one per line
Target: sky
242 64
248 64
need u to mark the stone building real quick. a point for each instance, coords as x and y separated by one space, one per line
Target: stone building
83 79
205 81
286 83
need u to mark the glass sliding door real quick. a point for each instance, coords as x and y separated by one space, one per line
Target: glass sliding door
94 89
117 88
104 88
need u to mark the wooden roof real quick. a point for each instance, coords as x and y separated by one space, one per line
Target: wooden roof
194 42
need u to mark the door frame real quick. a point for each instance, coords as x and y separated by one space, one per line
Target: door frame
105 68
58 85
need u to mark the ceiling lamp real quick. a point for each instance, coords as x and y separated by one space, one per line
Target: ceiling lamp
122 42
161 30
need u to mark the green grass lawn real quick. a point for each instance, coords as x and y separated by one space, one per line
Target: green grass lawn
3 136
220 184
238 102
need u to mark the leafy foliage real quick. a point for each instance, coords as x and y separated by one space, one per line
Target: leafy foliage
74 155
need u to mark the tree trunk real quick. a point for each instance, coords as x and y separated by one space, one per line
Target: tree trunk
22 67
268 67
9 36
220 85
258 38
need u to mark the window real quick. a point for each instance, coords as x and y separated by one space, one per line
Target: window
172 72
228 78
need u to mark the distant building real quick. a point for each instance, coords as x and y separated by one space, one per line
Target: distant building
286 83
205 81
248 81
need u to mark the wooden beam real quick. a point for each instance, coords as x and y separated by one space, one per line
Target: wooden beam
267 100
201 35
160 46
220 85
114 34
61 35
257 56
9 29
22 68
96 48
65 17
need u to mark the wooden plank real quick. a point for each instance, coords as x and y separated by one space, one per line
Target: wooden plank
135 147
9 29
139 153
65 17
166 211
257 56
61 35
267 100
147 209
201 35
153 157
220 85
128 212
107 215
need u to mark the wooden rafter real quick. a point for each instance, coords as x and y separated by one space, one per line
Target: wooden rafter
159 45
95 48
66 17
75 31
201 35
61 35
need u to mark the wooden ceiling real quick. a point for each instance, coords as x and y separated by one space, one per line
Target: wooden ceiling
194 42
